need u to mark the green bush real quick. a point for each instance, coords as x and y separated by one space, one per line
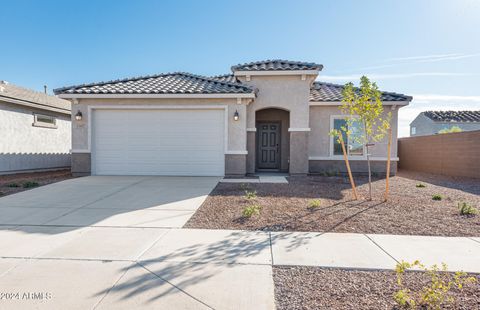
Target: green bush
250 194
331 173
451 129
30 184
251 210
437 197
467 209
244 186
434 294
13 185
315 203
420 185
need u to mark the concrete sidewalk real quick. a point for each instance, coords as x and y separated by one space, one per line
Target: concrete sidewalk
155 268
366 251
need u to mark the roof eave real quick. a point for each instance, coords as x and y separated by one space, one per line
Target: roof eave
338 103
35 105
275 72
158 96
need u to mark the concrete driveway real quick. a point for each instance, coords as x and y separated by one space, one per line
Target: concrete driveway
111 242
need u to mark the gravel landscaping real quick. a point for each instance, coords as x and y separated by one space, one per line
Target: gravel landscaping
317 203
320 288
14 183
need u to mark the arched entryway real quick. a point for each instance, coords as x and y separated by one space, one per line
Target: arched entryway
272 142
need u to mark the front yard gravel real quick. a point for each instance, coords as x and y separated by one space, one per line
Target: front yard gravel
319 288
287 207
14 183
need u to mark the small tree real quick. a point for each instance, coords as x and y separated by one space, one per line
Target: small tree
365 108
451 129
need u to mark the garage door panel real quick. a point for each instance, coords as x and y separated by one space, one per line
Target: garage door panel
158 142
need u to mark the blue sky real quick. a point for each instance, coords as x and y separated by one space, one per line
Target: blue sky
428 49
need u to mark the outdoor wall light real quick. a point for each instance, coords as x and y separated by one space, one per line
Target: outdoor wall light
236 116
78 116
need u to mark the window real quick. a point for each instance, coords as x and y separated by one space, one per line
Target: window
40 120
353 147
413 130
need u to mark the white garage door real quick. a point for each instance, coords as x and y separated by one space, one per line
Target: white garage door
158 142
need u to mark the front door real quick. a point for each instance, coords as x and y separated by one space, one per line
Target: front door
268 150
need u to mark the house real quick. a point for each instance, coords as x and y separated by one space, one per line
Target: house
265 116
35 130
431 122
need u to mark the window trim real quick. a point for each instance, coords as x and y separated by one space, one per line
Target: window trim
332 155
413 130
37 123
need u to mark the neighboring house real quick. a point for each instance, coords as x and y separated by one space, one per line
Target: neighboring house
265 116
35 130
431 122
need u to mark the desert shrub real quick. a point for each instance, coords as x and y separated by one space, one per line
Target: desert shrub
250 194
13 185
437 197
244 186
420 185
331 173
30 184
467 209
251 210
315 203
435 293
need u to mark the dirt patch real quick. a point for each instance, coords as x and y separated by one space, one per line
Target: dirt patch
289 207
319 288
14 183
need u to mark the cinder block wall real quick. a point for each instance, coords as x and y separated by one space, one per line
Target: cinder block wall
453 154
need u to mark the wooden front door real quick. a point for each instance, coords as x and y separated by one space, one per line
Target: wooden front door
268 146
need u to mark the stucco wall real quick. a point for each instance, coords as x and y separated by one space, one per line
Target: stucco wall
319 139
26 147
290 93
236 129
423 126
286 92
237 139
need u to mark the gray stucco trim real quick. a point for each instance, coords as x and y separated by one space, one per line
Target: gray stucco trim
298 153
251 157
359 167
81 164
235 165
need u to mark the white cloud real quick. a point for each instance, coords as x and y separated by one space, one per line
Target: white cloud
438 56
402 61
433 97
425 102
375 76
431 58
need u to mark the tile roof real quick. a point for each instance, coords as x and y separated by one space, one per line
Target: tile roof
20 95
168 83
453 116
230 78
276 65
321 91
